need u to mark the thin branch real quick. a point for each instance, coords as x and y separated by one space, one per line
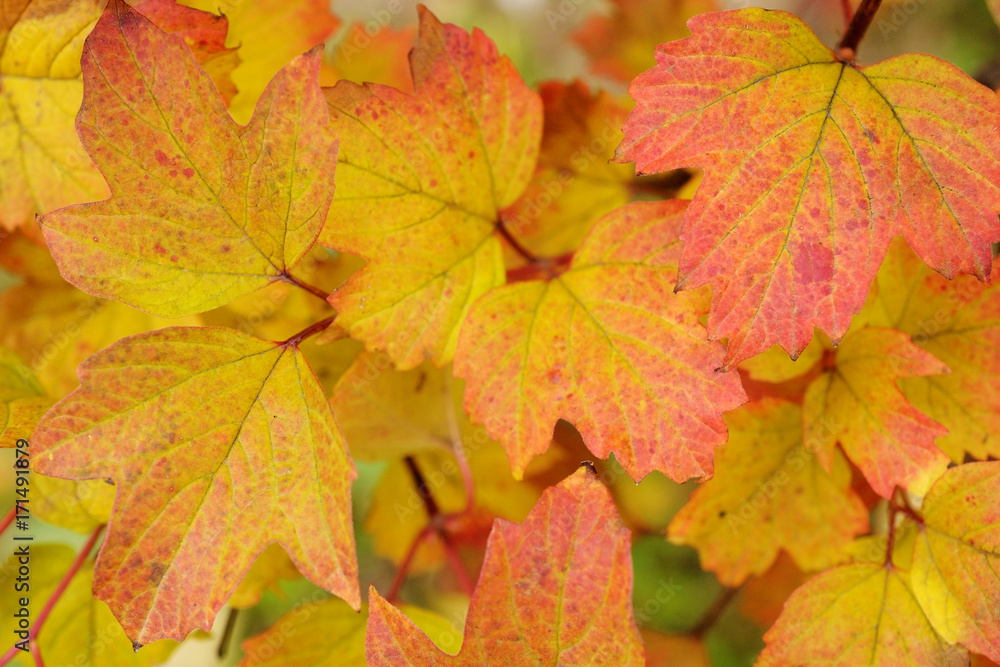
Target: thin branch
36 653
856 30
404 565
433 511
61 588
310 330
457 566
312 289
227 633
7 519
711 617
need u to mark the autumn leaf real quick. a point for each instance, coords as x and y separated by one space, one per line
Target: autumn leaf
957 321
770 485
219 444
553 590
857 404
42 164
328 633
223 209
78 506
271 567
421 180
22 399
859 614
621 45
812 166
763 597
575 182
362 57
204 33
267 35
54 326
80 629
387 414
957 557
609 348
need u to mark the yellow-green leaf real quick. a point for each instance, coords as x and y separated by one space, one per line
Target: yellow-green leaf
956 561
22 398
958 321
853 615
770 493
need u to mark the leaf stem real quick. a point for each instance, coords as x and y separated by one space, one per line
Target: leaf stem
312 289
7 519
53 600
856 29
845 5
514 243
310 330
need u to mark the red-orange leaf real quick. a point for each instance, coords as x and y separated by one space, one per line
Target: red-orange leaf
812 166
857 404
607 346
556 589
220 444
421 181
202 210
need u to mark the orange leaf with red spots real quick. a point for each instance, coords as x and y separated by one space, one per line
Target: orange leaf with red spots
554 590
202 210
607 346
812 166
